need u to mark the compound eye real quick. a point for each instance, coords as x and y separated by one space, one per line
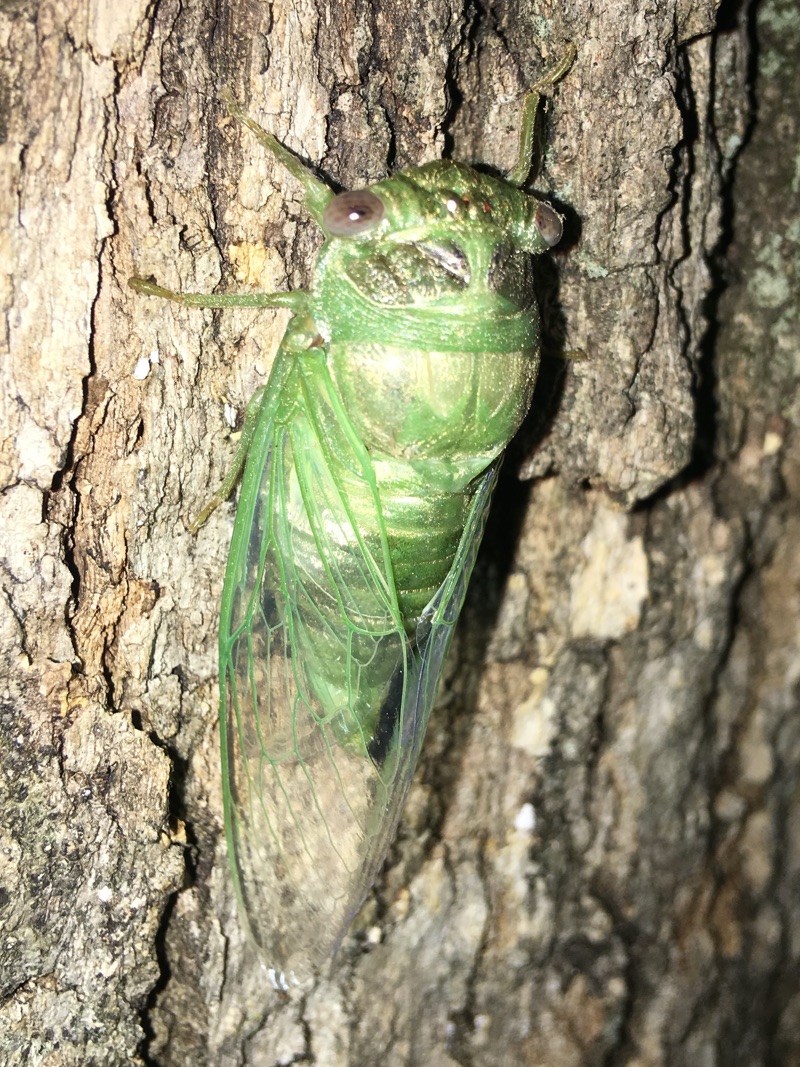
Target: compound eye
549 224
352 213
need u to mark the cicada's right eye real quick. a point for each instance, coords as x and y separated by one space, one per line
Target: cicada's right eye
349 214
549 223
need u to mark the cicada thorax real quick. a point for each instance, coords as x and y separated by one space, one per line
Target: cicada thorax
432 421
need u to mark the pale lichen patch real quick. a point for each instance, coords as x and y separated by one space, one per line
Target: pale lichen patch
609 588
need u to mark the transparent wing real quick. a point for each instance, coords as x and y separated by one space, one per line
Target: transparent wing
324 697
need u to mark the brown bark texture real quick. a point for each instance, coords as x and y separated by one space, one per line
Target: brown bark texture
599 863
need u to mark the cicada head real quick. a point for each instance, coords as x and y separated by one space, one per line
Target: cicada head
443 239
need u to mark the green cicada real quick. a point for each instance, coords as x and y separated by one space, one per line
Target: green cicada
369 461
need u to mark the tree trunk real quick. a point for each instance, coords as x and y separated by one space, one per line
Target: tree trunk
599 862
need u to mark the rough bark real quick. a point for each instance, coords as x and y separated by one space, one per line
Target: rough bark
600 859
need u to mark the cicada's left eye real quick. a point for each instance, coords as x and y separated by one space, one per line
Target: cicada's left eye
549 224
352 213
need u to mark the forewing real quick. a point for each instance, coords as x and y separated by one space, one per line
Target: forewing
324 698
311 644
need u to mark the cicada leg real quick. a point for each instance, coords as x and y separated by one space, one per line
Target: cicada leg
296 301
317 194
527 127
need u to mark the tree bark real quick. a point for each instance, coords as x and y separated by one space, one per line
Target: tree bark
599 862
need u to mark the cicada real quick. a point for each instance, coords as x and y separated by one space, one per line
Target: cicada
367 466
